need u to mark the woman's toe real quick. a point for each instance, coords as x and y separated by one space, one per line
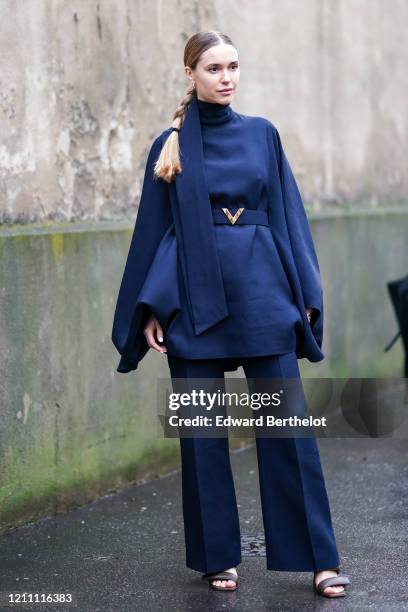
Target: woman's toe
333 589
224 583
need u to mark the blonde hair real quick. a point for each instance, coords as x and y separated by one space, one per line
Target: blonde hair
168 163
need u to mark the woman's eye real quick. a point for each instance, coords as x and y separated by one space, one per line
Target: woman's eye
214 68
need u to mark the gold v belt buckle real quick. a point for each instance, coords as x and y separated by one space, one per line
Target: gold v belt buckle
233 218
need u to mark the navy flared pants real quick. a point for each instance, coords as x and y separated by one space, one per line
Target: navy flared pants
295 507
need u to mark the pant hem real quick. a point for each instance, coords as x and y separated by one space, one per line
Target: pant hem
302 568
211 568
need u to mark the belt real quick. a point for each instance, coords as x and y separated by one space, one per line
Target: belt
243 216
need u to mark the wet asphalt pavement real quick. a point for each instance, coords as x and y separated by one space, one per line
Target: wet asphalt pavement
125 552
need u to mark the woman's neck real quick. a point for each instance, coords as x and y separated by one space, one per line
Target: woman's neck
214 113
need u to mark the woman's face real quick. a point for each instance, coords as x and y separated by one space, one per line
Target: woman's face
217 69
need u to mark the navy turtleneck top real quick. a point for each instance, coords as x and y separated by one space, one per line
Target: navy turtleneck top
269 270
263 316
235 165
213 113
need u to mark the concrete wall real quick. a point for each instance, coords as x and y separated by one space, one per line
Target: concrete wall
84 88
71 428
331 76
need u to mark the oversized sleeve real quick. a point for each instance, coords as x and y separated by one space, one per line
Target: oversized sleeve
152 228
301 241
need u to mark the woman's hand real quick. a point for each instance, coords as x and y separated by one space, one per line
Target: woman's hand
309 313
154 334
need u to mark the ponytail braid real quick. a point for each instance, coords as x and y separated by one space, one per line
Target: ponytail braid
168 163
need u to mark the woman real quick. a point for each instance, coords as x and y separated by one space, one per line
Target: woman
222 272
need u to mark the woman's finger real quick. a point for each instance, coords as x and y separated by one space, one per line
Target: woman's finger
149 332
154 335
159 332
151 340
159 335
160 340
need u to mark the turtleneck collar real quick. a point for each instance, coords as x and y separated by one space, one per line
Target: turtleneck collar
213 113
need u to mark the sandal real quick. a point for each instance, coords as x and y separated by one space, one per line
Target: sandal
221 576
338 580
